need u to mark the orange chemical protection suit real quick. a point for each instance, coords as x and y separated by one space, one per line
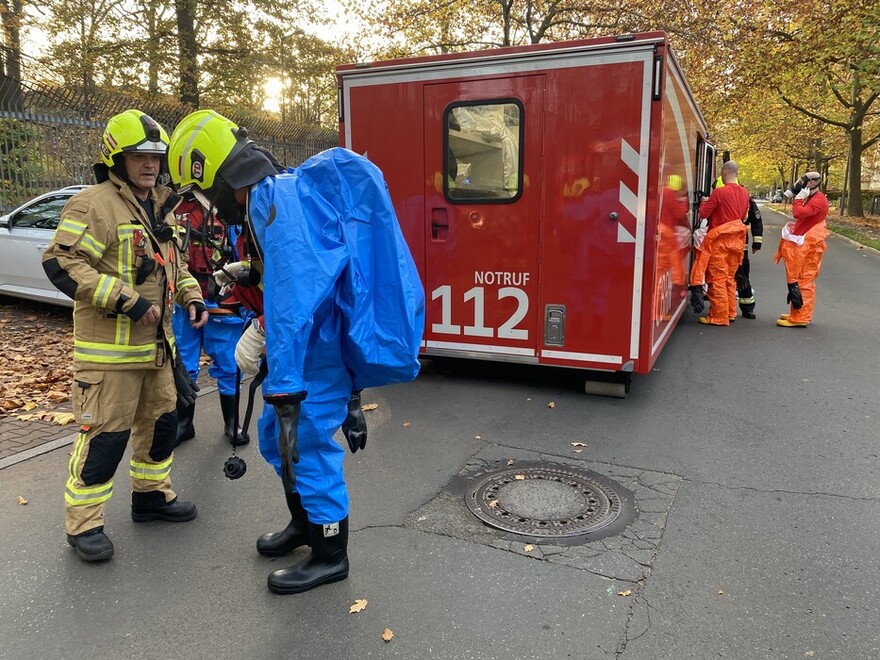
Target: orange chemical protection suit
720 253
801 248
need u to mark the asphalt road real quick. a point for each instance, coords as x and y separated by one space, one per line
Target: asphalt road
753 453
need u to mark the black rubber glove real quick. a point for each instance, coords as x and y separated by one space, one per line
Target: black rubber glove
200 308
354 427
755 247
697 298
186 388
794 295
287 408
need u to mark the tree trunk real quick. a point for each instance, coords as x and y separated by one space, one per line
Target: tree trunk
854 202
10 86
186 46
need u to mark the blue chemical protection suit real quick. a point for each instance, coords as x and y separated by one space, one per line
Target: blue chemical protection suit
343 308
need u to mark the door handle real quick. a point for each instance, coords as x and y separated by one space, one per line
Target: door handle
439 224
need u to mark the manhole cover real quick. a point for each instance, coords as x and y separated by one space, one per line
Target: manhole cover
548 500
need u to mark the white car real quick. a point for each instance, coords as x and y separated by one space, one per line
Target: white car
24 236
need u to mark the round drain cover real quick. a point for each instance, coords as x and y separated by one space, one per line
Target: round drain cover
548 500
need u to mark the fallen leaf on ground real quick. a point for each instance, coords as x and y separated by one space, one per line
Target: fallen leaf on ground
720 592
624 593
359 605
477 437
405 424
510 462
528 548
21 500
35 364
62 418
35 416
519 477
493 504
367 407
552 404
387 635
579 444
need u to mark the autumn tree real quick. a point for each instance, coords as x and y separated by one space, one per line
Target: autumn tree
409 27
845 71
821 60
306 67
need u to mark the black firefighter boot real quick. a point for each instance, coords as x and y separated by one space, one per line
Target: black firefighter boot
233 435
152 506
328 561
185 428
92 545
296 534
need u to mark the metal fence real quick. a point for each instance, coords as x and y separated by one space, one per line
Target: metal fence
50 134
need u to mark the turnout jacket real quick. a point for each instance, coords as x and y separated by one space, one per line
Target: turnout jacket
100 256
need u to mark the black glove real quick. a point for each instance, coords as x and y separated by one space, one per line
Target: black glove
354 427
200 308
287 408
697 298
755 247
794 295
798 186
186 388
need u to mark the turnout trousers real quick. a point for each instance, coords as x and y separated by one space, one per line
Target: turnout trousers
744 289
112 406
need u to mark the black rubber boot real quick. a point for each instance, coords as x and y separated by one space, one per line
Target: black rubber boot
328 561
152 506
185 428
233 435
92 545
296 534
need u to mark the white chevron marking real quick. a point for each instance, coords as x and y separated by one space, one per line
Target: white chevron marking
629 156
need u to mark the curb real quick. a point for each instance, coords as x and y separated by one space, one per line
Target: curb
52 445
861 246
33 452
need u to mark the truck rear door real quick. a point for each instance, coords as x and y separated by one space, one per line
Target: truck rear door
483 163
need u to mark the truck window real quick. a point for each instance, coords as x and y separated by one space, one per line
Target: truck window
483 158
705 162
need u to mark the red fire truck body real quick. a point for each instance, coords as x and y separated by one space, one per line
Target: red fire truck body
545 191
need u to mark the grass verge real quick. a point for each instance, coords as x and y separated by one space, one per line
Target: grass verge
855 235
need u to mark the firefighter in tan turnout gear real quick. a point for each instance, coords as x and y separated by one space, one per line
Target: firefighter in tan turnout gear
115 252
